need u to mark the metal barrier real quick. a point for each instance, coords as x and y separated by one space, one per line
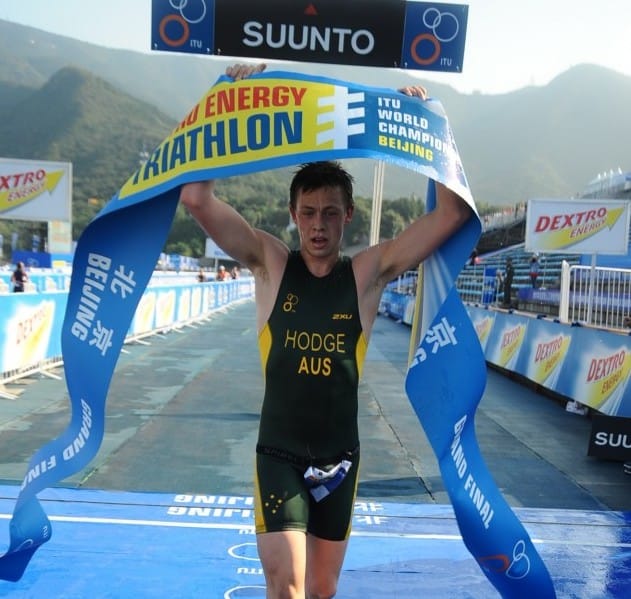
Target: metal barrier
595 296
477 286
30 323
588 295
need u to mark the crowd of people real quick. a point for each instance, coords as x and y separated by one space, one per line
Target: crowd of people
222 274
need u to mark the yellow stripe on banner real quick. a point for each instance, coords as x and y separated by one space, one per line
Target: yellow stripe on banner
239 123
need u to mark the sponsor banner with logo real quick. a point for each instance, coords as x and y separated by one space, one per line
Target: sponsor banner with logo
587 365
505 340
30 329
610 438
483 327
596 371
376 33
577 226
543 352
35 190
31 324
271 120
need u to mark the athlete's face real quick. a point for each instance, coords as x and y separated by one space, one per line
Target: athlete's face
320 216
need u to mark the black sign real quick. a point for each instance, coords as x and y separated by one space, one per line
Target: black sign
375 33
357 32
610 438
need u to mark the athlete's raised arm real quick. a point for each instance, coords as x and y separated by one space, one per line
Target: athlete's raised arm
230 231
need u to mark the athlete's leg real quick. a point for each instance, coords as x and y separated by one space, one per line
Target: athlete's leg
283 556
327 536
281 514
324 564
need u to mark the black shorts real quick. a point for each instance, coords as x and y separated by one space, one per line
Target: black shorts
282 500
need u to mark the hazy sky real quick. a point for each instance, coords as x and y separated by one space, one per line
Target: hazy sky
510 43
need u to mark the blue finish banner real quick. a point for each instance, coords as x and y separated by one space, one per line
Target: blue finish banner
445 383
268 121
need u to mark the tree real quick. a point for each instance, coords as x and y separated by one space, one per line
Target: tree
358 231
392 223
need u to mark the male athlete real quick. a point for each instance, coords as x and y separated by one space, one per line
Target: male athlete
315 310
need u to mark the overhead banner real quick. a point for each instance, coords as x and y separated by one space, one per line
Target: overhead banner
577 226
378 33
273 120
35 190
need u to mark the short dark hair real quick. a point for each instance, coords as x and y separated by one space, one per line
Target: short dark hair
315 175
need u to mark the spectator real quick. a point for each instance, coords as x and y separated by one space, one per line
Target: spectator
19 278
222 274
509 273
499 282
534 271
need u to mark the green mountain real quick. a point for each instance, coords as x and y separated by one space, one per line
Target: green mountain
547 141
78 117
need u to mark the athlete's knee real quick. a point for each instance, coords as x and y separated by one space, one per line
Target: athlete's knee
280 585
322 590
284 592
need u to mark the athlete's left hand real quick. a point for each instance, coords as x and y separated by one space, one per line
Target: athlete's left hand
414 90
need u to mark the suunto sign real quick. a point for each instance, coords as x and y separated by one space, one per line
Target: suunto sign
353 32
610 438
308 37
377 33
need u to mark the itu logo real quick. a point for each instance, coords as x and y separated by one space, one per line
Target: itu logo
517 567
176 36
443 26
434 36
182 25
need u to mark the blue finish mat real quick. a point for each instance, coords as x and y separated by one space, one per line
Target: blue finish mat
148 545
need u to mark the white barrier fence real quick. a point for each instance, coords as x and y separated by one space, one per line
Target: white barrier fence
595 296
31 323
588 295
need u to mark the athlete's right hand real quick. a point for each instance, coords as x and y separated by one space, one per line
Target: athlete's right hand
242 71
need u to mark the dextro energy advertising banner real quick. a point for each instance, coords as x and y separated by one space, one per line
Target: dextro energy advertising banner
587 365
577 226
30 329
267 121
35 190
